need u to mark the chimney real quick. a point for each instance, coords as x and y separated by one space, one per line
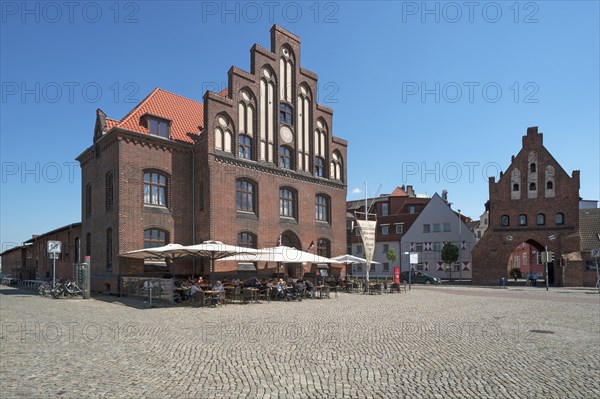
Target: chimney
445 195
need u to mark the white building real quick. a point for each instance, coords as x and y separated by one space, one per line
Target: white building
436 225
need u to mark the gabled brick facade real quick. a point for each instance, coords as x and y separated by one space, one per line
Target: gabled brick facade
207 150
535 202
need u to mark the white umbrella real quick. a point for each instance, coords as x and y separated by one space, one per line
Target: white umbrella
215 250
281 254
169 251
349 259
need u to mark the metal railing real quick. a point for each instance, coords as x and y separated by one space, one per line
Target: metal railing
149 289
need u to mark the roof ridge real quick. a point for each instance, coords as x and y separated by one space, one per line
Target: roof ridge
143 102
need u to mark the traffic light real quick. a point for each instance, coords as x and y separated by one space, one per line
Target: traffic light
550 256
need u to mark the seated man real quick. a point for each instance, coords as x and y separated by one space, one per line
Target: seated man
215 298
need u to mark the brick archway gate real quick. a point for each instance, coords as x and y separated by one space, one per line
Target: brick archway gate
290 239
492 253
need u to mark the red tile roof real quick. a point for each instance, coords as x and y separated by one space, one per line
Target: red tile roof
224 92
186 115
398 192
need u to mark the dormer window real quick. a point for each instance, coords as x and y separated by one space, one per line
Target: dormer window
158 127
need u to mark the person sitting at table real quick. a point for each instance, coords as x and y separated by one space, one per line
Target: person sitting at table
217 287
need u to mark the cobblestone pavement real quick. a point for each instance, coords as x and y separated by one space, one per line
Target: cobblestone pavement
451 342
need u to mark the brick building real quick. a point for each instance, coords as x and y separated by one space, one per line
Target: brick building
534 202
247 164
395 212
31 261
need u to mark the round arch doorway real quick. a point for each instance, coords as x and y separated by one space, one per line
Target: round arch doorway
290 239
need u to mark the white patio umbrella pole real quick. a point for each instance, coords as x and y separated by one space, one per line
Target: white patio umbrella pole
368 266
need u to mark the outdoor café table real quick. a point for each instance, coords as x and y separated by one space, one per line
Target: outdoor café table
323 291
211 294
250 294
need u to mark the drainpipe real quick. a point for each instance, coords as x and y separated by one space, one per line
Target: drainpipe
193 210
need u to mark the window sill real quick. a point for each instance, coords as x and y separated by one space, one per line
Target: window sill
289 220
156 209
246 215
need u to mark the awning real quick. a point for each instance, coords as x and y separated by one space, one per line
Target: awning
246 267
323 266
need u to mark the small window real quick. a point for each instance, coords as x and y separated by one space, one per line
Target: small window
485 222
549 185
540 219
437 227
321 208
447 227
559 218
247 240
419 247
155 189
287 203
245 147
245 195
505 220
384 209
285 114
522 220
159 128
532 168
516 187
285 157
357 232
319 167
386 267
154 238
411 209
437 246
385 230
426 228
532 187
324 247
385 248
372 268
399 229
359 249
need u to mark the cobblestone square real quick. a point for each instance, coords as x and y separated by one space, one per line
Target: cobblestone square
432 342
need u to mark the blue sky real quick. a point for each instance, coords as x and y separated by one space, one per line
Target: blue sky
436 94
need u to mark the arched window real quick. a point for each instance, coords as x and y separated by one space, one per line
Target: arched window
540 219
286 74
336 168
559 218
223 133
286 114
285 157
155 238
246 239
267 110
155 189
109 249
245 196
505 220
303 122
245 147
319 167
549 185
321 208
522 220
109 190
515 187
88 200
287 202
324 247
532 167
532 187
320 148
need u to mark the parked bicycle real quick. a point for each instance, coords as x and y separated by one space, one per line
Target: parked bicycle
45 289
60 290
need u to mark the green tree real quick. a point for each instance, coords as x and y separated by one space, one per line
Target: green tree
449 256
391 255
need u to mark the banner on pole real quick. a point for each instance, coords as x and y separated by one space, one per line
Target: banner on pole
367 233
